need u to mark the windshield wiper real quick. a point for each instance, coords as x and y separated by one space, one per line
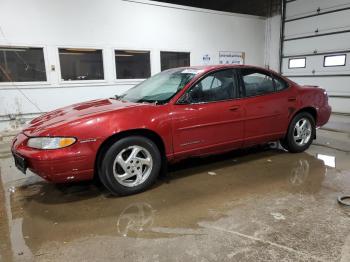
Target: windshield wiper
147 101
117 97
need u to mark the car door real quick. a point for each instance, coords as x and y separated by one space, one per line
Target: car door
209 117
267 104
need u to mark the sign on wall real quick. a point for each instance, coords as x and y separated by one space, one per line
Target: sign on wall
230 57
206 59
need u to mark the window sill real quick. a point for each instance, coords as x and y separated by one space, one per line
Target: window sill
37 83
80 82
129 81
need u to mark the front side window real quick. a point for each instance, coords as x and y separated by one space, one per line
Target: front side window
22 64
81 64
131 64
161 87
174 59
280 84
218 86
257 83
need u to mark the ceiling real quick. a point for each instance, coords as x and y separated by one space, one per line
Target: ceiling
253 7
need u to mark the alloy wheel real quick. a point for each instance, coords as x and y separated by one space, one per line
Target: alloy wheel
302 132
132 166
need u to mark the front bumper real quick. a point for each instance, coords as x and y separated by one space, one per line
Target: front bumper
74 163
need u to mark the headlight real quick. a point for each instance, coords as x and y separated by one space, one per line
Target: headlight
50 142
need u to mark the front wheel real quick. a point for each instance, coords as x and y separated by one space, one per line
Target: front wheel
301 133
130 165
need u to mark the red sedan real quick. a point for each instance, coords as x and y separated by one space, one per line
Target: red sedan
179 113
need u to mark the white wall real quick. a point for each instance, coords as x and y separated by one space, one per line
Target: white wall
110 24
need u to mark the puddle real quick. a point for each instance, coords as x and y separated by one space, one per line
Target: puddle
42 214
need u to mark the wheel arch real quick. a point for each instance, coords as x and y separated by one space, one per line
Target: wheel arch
156 138
309 109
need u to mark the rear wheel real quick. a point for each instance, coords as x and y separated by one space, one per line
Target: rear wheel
130 165
301 133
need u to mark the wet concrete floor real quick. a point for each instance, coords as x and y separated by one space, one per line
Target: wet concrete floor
261 204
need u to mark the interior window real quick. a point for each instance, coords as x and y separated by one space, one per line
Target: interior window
174 59
334 60
297 63
81 64
22 64
256 82
132 64
217 86
280 83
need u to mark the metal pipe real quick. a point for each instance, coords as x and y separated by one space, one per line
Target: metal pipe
283 9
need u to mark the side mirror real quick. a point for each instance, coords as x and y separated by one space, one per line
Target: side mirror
185 99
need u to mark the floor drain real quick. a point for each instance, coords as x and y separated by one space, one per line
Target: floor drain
344 200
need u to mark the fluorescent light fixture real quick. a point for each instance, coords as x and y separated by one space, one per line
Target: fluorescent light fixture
80 49
328 160
123 55
65 53
136 52
334 60
16 49
297 63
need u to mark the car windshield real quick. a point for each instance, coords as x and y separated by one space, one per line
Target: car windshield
161 87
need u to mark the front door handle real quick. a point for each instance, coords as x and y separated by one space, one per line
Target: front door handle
234 108
292 99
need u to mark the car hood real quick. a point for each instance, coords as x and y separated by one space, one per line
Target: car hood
76 112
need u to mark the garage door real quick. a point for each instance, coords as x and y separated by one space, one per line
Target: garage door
316 47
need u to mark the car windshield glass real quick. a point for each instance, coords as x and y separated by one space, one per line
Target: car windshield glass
161 87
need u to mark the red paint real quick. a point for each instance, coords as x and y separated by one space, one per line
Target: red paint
186 130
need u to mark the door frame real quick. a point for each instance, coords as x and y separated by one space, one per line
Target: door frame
238 97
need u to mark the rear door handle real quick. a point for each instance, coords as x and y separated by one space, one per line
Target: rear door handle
233 108
292 99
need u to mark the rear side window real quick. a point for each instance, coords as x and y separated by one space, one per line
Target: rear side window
256 82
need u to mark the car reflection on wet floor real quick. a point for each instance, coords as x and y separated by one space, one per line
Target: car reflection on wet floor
265 193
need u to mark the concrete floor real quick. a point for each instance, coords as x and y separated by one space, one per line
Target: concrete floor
261 204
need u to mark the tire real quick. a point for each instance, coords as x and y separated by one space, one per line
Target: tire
130 165
298 141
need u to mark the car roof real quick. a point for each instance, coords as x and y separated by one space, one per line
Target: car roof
207 68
